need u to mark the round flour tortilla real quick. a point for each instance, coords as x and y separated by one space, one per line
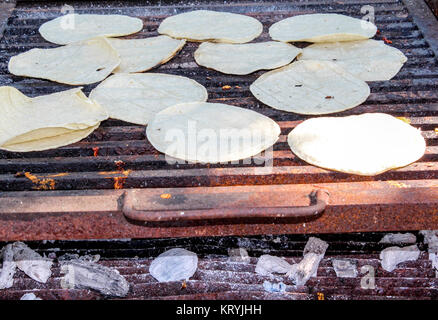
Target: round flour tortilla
78 27
211 132
245 58
204 25
310 87
138 55
366 144
138 97
30 124
368 60
78 63
329 27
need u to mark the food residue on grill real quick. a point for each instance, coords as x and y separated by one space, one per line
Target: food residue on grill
95 151
119 165
55 175
119 182
41 184
387 41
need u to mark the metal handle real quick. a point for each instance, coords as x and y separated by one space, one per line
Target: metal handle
319 200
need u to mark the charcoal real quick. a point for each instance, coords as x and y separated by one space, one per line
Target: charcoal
315 245
84 274
274 287
268 264
300 272
174 265
8 268
30 296
392 256
345 268
238 255
431 239
31 263
399 238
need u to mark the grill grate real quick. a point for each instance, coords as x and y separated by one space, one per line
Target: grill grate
412 93
93 165
218 278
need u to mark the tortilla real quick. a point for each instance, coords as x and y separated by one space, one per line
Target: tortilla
45 122
138 55
310 87
369 60
245 58
319 27
51 142
78 63
138 97
78 27
211 132
366 144
205 25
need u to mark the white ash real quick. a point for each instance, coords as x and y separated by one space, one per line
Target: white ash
345 268
84 274
392 256
74 256
8 267
238 255
315 245
268 264
174 265
399 238
305 269
31 263
30 296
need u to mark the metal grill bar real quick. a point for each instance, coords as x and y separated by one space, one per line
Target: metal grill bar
119 151
219 278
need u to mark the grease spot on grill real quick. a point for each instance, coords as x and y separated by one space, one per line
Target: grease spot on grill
169 199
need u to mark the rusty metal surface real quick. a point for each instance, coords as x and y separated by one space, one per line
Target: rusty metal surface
353 207
318 202
219 278
68 192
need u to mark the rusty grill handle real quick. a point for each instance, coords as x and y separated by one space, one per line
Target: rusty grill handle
319 200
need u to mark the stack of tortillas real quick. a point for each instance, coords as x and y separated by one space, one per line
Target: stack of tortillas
45 122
